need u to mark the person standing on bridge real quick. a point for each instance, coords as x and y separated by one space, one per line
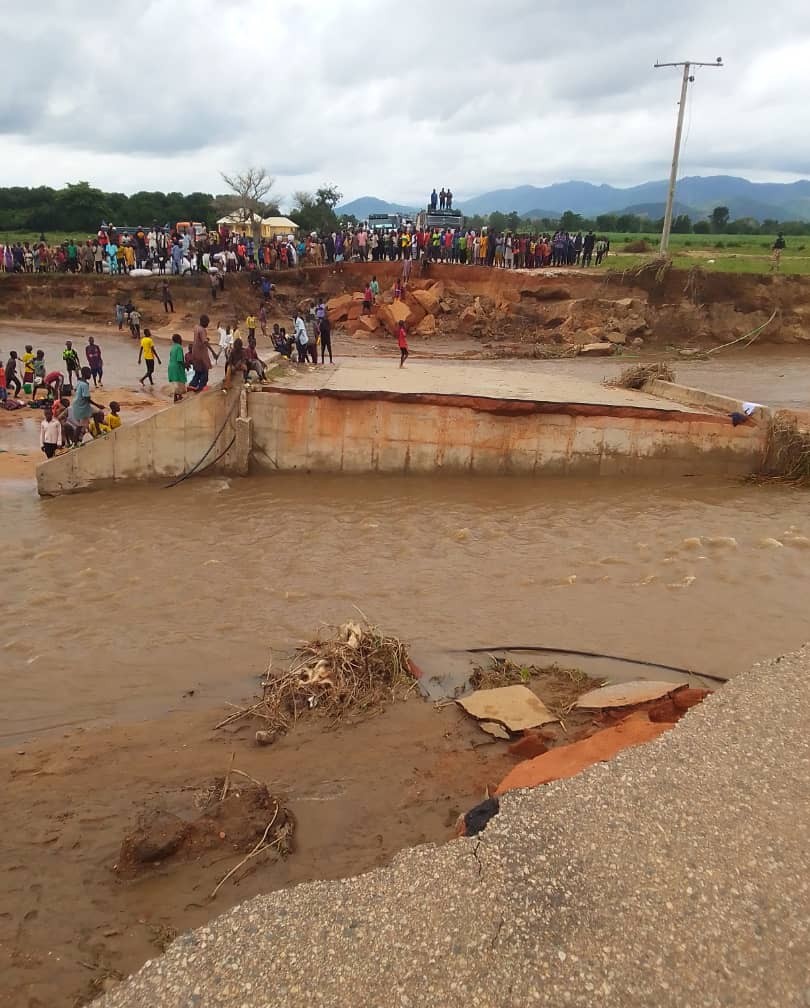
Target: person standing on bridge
402 343
200 356
177 367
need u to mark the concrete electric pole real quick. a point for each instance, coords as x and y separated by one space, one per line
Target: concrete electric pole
687 79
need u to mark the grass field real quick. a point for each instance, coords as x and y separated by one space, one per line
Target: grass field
720 253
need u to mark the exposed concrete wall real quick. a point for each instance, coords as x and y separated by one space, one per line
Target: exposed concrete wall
164 445
281 431
335 434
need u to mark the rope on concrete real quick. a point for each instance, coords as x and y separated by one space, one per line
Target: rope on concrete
194 468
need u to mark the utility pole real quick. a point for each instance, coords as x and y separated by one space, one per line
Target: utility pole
673 176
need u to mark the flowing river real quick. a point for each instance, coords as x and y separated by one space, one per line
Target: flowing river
119 602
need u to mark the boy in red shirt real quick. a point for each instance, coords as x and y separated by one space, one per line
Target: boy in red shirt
402 342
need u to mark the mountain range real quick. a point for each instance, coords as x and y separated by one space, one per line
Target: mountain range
696 196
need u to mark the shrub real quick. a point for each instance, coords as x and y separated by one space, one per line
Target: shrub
638 246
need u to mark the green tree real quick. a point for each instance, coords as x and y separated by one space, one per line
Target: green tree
571 221
79 207
497 221
702 227
628 223
719 219
682 224
607 222
316 211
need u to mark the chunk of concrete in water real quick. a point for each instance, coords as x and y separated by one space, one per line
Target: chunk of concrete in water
495 730
626 694
514 707
596 350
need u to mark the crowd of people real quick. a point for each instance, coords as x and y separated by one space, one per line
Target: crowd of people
70 415
163 252
154 250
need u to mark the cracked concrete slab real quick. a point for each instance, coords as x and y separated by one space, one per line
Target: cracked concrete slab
675 875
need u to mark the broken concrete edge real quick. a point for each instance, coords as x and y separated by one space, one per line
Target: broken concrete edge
575 828
688 396
234 461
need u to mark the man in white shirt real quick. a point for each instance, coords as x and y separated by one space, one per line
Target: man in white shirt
50 433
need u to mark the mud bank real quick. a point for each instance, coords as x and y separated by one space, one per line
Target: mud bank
497 308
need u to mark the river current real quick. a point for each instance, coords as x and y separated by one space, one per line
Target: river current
121 602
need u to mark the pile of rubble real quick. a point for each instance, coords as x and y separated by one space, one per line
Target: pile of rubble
422 303
587 326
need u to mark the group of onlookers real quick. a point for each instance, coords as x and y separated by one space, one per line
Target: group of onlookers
70 415
455 245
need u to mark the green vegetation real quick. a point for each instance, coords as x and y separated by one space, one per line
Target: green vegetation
79 209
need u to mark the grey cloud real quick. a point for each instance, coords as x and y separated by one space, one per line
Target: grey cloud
379 98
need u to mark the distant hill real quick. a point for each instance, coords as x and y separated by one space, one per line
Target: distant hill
365 205
761 200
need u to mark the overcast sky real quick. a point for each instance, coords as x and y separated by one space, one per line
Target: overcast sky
390 97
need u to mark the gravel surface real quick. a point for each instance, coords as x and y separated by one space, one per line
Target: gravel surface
677 875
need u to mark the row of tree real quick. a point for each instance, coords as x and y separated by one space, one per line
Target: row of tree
719 222
80 208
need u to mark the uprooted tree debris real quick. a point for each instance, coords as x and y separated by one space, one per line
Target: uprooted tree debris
237 813
636 377
787 457
353 670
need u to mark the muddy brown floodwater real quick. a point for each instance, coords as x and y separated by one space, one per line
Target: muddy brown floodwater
133 615
121 601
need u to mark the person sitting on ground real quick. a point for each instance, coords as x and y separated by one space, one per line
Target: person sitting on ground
97 426
114 417
51 435
282 343
237 363
253 361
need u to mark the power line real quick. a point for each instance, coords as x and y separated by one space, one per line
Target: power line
673 176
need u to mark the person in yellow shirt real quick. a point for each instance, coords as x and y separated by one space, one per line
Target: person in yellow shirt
148 354
97 426
114 420
28 364
250 325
